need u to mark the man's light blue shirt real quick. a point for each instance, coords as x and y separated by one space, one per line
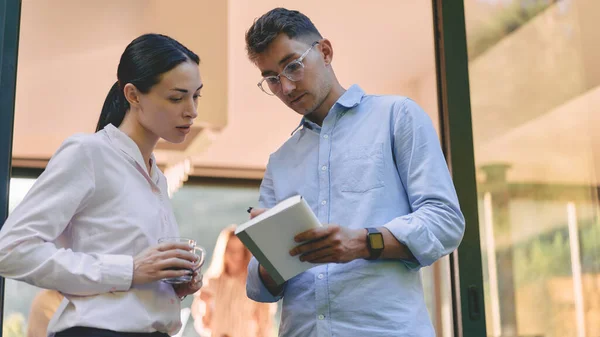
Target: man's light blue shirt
375 161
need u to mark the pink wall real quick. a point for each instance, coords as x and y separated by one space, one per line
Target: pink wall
395 58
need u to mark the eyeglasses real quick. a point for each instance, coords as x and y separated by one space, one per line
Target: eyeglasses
293 71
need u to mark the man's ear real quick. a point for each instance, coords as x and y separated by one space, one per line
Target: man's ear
327 51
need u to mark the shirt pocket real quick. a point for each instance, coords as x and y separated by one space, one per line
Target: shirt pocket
362 169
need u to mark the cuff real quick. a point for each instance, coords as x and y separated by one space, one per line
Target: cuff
117 271
255 287
425 247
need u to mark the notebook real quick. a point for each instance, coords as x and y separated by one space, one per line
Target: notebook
270 237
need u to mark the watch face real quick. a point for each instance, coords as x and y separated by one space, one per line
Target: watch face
376 241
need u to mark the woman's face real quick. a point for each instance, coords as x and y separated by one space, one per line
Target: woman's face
168 110
235 257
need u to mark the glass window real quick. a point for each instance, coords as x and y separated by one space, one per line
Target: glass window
401 62
535 89
18 296
202 211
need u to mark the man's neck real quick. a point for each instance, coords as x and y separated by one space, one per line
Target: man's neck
318 116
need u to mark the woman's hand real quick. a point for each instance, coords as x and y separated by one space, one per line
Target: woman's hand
189 288
166 260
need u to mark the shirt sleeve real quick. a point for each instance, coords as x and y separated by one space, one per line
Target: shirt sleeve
27 249
255 288
436 225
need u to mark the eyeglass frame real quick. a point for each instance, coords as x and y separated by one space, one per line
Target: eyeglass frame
278 76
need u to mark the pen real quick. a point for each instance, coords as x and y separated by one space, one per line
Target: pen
249 209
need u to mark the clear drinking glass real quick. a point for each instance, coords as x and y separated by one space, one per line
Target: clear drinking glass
195 249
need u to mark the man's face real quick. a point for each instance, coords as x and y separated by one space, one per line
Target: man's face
303 96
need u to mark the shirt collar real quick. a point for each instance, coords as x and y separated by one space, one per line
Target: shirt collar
302 121
349 99
124 143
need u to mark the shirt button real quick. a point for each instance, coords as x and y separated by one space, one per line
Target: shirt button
324 202
325 136
321 317
324 168
320 276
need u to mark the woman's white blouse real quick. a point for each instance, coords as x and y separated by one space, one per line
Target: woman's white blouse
97 198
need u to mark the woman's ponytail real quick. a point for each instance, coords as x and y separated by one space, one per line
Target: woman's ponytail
114 108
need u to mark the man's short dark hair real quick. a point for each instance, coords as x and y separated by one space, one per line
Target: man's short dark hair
279 20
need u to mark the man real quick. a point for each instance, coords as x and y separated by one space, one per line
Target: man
372 170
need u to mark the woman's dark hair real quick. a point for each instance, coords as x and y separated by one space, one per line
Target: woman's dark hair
143 62
279 20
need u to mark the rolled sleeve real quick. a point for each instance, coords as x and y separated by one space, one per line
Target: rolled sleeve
255 288
436 225
425 245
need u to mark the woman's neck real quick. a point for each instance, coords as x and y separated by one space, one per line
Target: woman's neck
143 138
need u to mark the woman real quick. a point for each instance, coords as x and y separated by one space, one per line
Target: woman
222 306
43 307
105 197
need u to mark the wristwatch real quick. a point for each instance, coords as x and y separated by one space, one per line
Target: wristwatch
374 243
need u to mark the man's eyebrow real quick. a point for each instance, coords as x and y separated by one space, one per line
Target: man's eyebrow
285 59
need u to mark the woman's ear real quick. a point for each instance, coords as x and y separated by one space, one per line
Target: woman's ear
132 94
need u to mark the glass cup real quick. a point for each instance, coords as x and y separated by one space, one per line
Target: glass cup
197 250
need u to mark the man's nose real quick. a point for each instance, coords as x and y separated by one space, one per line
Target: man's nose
287 86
